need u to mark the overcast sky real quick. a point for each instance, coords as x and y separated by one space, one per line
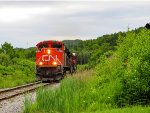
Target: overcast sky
26 23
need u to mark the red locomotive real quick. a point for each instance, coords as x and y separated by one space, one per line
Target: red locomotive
53 59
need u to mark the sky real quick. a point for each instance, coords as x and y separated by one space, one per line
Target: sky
25 23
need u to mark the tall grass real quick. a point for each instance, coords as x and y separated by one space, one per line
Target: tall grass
75 94
80 93
133 109
19 78
82 67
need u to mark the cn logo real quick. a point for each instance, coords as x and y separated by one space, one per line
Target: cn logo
46 57
49 58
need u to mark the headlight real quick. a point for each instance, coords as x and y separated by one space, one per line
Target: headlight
41 63
54 63
48 51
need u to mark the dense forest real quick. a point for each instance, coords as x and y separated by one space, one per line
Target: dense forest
89 51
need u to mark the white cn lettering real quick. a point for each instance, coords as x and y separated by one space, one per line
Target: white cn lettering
49 57
45 58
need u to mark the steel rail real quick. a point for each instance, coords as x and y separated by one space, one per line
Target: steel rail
15 91
22 86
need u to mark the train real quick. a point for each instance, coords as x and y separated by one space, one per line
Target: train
54 60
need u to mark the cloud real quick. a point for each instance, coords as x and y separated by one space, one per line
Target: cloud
26 23
15 14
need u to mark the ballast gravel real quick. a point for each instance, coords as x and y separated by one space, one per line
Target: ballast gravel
16 104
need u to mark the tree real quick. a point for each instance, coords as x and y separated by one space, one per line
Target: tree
7 48
4 59
1 50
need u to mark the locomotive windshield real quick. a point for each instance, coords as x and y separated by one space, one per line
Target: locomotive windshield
48 44
55 45
44 45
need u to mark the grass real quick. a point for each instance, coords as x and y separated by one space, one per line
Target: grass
70 97
12 81
80 93
82 67
134 109
19 73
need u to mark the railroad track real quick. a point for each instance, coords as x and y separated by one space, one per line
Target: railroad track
12 92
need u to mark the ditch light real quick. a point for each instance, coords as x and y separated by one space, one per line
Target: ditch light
54 63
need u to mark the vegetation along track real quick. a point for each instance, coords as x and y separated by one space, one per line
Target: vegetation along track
12 92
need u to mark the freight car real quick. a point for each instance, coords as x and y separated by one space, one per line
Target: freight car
53 60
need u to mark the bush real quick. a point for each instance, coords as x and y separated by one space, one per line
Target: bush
20 72
82 67
136 58
4 59
14 68
130 64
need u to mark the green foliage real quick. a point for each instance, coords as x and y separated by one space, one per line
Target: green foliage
130 65
82 67
121 79
16 66
89 51
4 59
80 93
18 73
28 53
136 60
122 69
75 94
134 109
7 48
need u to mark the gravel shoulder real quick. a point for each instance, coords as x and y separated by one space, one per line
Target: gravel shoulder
16 104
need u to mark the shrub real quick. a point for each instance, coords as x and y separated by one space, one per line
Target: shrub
4 59
130 64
